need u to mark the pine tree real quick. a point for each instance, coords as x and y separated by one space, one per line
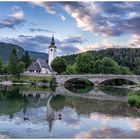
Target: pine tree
1 66
15 67
26 59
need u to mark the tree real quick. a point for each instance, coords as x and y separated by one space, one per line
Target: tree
85 62
59 64
5 69
110 66
98 67
71 69
20 68
124 70
15 64
1 66
26 59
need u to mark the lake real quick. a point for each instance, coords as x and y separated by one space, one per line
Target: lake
57 112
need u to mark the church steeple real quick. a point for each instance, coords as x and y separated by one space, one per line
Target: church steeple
52 42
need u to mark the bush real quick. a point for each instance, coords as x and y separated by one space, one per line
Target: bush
134 99
131 101
44 80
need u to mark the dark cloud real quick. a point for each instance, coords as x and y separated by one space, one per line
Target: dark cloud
14 19
74 39
67 49
11 22
40 30
109 18
40 43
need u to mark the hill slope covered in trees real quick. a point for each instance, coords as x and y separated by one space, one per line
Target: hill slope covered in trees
6 49
128 57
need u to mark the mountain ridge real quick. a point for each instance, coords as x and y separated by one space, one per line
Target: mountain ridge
6 49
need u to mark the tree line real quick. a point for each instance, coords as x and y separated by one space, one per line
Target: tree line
127 57
16 65
86 63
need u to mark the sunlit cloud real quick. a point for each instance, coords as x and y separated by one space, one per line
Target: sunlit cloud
13 19
135 41
98 46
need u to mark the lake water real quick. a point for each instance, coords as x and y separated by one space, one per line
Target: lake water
34 112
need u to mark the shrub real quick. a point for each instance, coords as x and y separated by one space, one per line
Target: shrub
134 99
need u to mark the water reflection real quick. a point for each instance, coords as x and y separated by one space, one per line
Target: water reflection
34 112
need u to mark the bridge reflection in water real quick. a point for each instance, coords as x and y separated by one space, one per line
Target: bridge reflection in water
24 99
95 94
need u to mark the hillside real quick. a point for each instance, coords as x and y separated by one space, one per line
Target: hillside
6 49
129 57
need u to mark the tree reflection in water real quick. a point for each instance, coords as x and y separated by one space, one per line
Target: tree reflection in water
12 100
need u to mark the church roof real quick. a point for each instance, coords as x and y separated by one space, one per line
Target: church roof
38 64
34 66
44 64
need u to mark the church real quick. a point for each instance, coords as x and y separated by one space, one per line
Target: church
40 66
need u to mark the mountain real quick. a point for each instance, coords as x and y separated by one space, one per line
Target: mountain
34 55
6 49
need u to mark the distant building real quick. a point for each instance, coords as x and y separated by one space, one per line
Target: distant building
40 65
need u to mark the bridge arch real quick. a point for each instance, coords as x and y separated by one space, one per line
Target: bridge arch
118 78
78 79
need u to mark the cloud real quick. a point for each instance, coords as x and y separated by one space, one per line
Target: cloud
41 43
48 6
108 18
134 41
67 49
40 30
74 39
14 19
18 15
98 46
62 17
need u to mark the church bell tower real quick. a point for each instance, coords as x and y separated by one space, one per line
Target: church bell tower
52 51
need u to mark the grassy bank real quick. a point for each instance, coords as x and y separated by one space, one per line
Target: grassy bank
134 99
32 79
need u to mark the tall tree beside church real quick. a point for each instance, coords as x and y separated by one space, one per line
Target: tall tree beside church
1 66
26 59
59 64
15 66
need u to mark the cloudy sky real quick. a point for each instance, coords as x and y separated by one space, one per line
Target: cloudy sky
77 26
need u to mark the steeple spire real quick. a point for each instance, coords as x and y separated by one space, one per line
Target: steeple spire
52 42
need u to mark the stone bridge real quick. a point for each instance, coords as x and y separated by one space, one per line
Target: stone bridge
96 79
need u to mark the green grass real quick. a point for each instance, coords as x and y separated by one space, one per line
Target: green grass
134 99
32 79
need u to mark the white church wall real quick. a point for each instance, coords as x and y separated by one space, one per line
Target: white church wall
44 70
52 55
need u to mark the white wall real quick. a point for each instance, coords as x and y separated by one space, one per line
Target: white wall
52 55
44 71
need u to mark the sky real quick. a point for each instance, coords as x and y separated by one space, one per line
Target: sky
77 26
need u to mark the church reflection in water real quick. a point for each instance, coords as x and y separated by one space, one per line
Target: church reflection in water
16 98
